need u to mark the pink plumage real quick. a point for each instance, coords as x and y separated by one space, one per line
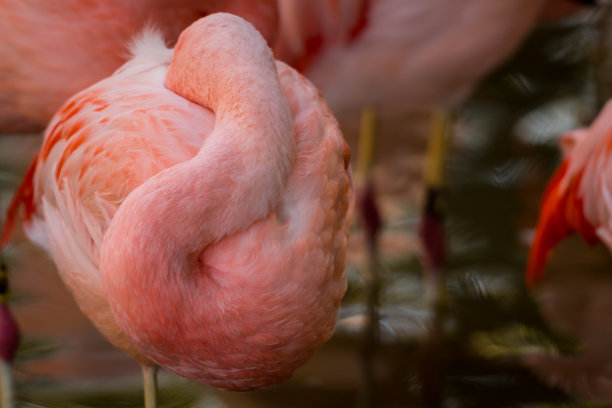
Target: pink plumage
398 54
577 200
198 203
49 50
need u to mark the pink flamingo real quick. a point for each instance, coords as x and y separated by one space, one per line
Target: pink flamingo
198 205
51 50
392 54
578 200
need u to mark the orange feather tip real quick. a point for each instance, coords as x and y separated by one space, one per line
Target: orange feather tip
550 230
561 214
23 196
9 224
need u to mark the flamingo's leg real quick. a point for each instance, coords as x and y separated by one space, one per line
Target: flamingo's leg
149 379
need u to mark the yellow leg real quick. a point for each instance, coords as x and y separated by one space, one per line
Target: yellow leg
7 396
372 224
149 377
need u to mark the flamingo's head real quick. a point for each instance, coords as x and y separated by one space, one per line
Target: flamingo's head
175 15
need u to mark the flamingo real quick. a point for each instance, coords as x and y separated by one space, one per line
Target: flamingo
577 200
197 203
51 50
399 54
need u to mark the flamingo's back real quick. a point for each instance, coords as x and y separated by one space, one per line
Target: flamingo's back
399 54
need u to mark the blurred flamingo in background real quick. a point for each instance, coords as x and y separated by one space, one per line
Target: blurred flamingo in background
401 55
198 206
51 50
391 54
577 200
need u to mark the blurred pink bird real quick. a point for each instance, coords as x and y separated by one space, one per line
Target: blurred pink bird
198 203
578 200
392 54
49 50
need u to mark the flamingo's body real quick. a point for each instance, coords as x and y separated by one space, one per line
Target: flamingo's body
201 225
49 50
402 53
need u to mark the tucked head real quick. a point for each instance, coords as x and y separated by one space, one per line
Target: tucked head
209 46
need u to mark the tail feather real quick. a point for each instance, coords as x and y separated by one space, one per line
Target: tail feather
23 196
561 214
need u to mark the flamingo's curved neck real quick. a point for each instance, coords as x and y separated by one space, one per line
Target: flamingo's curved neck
152 246
230 69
